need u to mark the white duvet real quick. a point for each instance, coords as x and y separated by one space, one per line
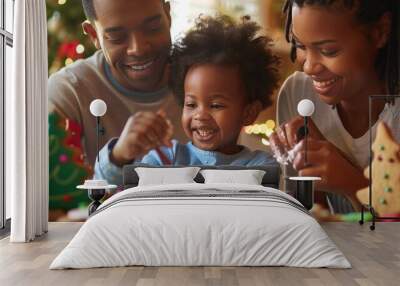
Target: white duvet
224 225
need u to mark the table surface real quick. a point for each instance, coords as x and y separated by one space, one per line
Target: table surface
374 255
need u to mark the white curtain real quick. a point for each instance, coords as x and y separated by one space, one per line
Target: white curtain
26 124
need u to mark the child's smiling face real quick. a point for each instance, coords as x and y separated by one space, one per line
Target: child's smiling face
337 52
215 107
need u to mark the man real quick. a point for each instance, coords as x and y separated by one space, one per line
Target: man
129 72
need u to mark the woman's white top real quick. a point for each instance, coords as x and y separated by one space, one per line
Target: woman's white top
299 86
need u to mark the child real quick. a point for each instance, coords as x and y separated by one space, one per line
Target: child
348 50
224 74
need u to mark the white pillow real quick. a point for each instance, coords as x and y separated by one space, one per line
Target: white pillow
249 177
162 176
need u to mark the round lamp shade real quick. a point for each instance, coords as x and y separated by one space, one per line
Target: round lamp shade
95 185
98 107
305 107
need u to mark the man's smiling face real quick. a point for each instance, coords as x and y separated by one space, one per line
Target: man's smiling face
135 39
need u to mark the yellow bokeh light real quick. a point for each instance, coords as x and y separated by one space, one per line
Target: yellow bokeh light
257 129
248 129
68 61
264 129
270 124
62 2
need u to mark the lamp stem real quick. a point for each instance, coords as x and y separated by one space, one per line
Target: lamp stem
97 136
305 141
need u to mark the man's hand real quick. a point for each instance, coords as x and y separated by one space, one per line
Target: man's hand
142 132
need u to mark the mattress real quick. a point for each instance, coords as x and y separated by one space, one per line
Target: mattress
201 225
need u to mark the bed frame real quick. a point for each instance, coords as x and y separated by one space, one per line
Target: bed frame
130 179
270 179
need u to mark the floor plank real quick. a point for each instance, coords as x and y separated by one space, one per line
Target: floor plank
374 255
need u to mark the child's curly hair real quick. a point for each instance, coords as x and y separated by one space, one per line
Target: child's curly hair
220 40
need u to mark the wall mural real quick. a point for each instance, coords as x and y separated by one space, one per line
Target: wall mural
67 44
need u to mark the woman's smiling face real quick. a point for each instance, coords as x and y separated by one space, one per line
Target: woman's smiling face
336 51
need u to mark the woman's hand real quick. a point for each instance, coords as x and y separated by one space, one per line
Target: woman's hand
337 174
285 137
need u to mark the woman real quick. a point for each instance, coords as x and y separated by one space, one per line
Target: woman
348 50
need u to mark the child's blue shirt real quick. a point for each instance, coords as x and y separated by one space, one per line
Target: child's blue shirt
188 154
183 154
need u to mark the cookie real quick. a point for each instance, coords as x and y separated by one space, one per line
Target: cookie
385 174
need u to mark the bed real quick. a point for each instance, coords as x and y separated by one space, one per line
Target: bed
201 224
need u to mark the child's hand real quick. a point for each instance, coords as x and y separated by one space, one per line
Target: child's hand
142 132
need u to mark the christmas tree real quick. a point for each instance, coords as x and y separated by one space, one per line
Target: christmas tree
66 164
66 41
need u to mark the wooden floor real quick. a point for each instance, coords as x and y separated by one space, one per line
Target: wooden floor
375 256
